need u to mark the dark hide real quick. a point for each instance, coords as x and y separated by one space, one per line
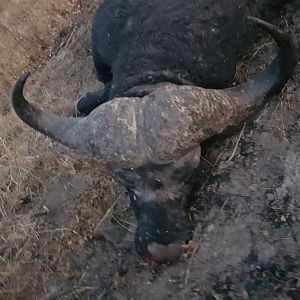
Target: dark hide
197 42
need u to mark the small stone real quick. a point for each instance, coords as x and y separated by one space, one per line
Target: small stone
45 209
283 218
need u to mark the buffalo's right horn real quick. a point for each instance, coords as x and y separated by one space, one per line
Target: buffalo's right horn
272 80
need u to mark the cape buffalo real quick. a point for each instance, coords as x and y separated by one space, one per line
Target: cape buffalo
153 57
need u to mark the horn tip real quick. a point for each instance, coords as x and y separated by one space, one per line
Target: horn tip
17 93
21 82
252 18
259 21
23 78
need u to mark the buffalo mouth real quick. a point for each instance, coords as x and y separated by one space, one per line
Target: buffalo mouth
161 254
163 245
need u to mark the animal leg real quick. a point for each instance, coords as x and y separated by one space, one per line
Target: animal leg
103 71
90 101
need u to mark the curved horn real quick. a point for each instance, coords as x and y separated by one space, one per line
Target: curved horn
195 114
272 80
109 133
63 130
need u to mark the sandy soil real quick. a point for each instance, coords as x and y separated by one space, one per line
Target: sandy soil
67 231
28 29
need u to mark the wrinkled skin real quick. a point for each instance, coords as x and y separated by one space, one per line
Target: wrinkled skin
151 136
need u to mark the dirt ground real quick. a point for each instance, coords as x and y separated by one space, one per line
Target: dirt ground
28 29
66 230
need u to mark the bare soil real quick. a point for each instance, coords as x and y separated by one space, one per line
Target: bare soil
28 29
66 229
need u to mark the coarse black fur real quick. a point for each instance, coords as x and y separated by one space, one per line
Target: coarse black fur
195 42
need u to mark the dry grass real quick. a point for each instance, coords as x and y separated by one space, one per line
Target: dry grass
29 163
19 183
27 31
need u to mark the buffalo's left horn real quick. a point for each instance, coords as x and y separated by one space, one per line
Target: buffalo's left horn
104 135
